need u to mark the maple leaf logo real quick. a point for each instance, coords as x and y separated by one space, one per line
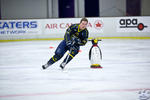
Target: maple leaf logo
98 24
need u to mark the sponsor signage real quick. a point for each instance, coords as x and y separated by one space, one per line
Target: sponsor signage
56 28
59 26
18 27
133 24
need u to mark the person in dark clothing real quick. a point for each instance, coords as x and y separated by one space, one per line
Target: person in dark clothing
76 35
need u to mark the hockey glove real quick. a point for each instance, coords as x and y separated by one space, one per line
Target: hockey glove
69 44
77 41
75 47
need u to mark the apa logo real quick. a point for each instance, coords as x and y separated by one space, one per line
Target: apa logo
98 24
131 23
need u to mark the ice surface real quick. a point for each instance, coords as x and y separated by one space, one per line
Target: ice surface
126 71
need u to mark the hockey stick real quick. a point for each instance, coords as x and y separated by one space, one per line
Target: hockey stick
68 56
63 64
69 52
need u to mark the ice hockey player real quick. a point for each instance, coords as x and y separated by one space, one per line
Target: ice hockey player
76 35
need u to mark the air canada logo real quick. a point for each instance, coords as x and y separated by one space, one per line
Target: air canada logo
98 24
132 23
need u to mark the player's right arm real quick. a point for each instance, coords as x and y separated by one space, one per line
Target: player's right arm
68 34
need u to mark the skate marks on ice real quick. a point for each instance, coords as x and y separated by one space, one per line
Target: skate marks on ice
125 72
73 92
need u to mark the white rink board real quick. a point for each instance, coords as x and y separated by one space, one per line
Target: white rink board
20 29
58 26
133 24
55 28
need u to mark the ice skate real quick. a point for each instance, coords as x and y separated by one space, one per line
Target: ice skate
62 65
45 66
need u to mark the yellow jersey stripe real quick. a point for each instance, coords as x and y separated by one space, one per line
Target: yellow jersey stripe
53 59
70 55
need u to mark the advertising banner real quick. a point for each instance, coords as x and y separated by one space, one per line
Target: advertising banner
133 24
56 28
19 27
59 26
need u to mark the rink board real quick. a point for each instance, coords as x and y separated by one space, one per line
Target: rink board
54 29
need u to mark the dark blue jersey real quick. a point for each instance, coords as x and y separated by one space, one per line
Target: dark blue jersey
74 31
